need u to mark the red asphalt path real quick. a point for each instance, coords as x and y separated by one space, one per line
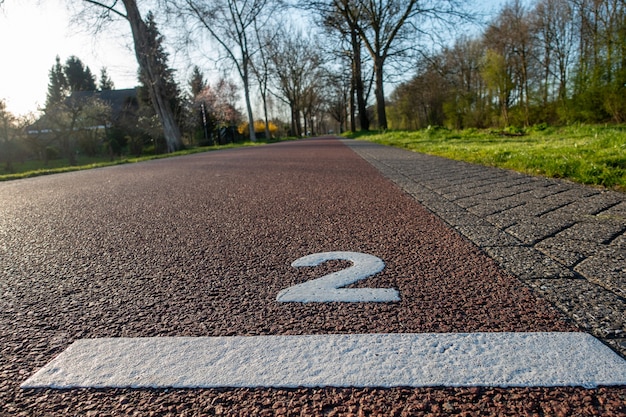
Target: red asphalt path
201 245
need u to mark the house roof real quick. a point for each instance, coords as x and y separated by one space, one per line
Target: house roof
119 100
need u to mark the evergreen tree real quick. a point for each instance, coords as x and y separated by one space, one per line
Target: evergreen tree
57 85
161 69
106 83
78 75
68 78
197 82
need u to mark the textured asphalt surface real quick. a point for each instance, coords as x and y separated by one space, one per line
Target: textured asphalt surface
200 246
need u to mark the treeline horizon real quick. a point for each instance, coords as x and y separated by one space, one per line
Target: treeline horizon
551 62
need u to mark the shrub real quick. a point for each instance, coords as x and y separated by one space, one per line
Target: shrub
259 128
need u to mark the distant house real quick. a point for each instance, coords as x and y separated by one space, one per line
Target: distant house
123 103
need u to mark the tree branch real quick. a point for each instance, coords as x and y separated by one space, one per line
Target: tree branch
110 8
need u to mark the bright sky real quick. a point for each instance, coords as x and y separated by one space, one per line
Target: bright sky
32 35
34 32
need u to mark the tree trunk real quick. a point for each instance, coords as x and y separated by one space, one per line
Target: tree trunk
380 94
298 122
246 92
352 108
162 107
294 115
267 123
358 81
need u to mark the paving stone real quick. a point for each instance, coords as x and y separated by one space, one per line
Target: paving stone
567 258
617 211
589 205
608 269
490 181
475 182
618 344
468 202
578 192
463 219
492 207
527 263
620 241
536 230
567 251
547 188
562 217
590 306
506 219
514 179
534 207
440 205
488 235
598 230
502 192
557 201
419 192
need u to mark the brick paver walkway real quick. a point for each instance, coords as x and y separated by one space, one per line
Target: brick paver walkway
567 241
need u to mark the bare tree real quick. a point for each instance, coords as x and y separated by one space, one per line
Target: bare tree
338 90
231 23
389 28
554 31
461 68
147 64
262 70
510 37
335 23
296 65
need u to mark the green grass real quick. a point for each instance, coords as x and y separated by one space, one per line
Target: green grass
594 155
36 168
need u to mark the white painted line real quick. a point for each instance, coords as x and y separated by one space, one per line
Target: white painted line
365 360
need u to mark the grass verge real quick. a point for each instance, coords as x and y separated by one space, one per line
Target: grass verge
593 155
36 168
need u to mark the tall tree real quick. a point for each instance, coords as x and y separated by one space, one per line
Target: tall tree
105 83
147 64
78 76
297 65
197 83
600 74
57 84
509 36
554 31
66 79
217 104
198 118
384 28
461 67
161 67
71 119
261 68
337 92
334 21
497 75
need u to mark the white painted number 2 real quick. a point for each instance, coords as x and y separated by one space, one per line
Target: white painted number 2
328 288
